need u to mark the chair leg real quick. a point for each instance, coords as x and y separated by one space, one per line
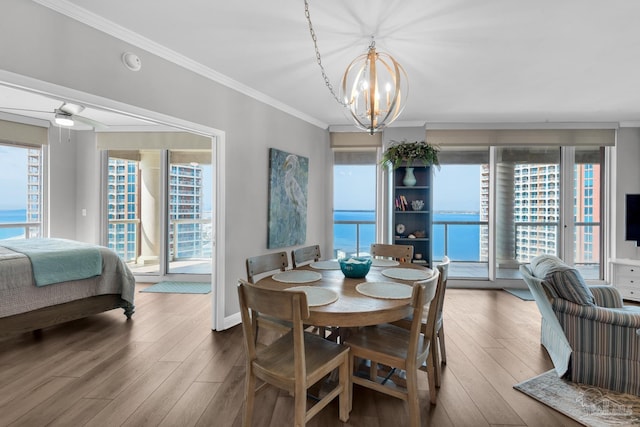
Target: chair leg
413 400
250 394
431 377
345 383
443 352
351 373
434 360
299 405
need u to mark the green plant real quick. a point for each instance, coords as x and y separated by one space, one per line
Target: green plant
400 152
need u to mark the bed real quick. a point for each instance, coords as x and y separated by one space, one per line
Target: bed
44 282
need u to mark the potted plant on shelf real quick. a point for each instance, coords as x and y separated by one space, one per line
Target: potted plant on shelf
400 153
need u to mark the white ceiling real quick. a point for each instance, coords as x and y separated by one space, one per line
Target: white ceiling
468 61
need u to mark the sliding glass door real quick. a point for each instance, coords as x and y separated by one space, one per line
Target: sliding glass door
159 210
189 208
461 212
499 207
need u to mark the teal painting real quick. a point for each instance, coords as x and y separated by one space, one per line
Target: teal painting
288 178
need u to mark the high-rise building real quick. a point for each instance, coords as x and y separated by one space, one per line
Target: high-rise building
34 191
535 211
185 209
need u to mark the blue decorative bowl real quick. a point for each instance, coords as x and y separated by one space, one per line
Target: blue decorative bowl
355 267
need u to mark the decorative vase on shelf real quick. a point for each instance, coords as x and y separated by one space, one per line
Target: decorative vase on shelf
409 178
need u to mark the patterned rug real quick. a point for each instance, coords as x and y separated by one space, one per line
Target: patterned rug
180 288
523 294
591 406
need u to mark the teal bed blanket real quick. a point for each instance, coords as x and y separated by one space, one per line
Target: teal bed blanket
58 260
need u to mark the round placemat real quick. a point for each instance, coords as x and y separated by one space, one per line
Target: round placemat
325 265
297 276
385 290
378 262
316 296
407 273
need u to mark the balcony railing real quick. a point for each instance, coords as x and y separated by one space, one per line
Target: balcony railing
184 244
190 243
455 245
30 230
126 248
353 237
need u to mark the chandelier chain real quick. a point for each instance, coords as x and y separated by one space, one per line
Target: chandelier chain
327 82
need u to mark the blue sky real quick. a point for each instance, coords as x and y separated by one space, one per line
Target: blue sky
456 188
13 179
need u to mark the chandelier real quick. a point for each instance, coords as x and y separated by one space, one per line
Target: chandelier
374 86
374 89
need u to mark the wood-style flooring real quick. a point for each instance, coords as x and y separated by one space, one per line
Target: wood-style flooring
166 367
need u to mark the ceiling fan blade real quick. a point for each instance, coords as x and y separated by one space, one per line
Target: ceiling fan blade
93 123
70 108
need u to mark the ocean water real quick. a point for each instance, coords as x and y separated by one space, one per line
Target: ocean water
463 240
8 216
463 244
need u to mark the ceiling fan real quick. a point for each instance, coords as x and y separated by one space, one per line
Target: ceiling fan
65 116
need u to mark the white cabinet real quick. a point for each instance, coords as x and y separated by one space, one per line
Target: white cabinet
626 278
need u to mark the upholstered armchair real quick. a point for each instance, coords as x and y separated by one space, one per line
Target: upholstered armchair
591 337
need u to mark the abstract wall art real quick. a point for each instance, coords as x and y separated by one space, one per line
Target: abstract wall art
288 178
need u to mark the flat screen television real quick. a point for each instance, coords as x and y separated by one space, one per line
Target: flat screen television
632 224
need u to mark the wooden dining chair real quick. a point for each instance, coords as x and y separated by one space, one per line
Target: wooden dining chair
399 348
294 362
436 358
267 263
403 253
259 266
305 255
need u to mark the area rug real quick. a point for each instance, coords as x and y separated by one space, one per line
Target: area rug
180 288
588 405
523 294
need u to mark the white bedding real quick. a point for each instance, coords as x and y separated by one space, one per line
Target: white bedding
18 293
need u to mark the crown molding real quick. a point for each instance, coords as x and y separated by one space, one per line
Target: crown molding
630 124
99 23
522 125
25 120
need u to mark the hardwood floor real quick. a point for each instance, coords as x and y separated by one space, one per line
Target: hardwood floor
165 367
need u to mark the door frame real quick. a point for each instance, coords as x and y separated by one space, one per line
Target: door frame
218 175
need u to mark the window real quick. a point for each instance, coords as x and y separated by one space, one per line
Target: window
514 243
354 215
135 229
21 184
586 217
461 211
354 202
539 179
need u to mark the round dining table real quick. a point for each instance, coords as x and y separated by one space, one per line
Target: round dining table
352 308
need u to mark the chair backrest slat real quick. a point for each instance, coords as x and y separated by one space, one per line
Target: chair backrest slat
397 252
303 255
266 263
274 303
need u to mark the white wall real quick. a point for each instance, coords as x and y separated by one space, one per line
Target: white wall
627 181
43 45
62 168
